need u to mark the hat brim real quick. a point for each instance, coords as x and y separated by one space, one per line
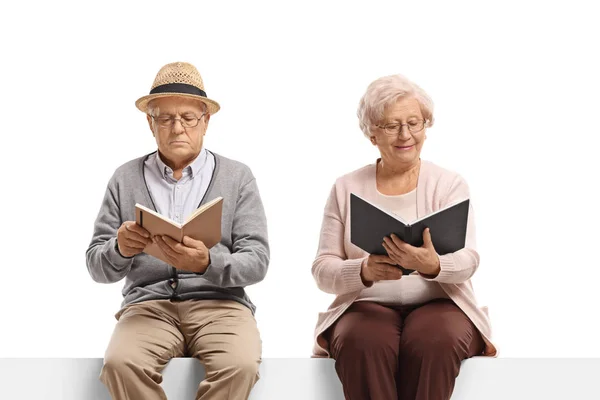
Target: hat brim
142 102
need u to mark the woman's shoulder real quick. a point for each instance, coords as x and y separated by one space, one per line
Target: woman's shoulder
358 177
436 172
442 183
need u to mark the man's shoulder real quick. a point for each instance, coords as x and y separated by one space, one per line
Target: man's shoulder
230 167
129 169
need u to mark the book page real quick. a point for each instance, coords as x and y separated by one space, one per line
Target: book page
391 214
438 211
166 219
157 224
201 209
206 225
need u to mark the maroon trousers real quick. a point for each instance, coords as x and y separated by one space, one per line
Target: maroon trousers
404 353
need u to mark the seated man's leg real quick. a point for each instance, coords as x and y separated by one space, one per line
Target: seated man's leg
144 340
223 335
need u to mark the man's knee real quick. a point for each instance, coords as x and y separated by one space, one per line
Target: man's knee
124 362
247 366
239 364
116 364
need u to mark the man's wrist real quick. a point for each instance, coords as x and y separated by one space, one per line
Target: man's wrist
204 267
119 251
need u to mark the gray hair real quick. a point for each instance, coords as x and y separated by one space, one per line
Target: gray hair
384 92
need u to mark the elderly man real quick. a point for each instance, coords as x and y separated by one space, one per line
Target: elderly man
196 304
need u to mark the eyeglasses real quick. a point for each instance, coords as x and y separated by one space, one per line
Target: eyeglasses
394 128
186 120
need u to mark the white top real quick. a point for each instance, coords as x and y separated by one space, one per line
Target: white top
177 199
411 289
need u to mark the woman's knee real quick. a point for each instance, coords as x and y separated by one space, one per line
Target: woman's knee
365 339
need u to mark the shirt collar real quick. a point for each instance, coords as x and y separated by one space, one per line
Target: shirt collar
198 164
192 169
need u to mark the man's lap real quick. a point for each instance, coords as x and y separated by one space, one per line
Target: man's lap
215 331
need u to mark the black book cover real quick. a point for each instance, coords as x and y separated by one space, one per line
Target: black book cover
369 225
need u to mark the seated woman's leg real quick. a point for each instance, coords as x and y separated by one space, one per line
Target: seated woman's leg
364 343
436 338
143 342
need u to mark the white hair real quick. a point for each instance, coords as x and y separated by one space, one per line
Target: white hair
384 92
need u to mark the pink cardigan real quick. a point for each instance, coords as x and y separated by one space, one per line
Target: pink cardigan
336 268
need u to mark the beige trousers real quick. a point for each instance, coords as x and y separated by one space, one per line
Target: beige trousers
222 334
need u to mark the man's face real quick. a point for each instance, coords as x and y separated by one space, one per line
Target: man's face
172 126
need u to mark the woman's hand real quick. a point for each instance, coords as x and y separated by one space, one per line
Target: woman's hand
379 268
423 259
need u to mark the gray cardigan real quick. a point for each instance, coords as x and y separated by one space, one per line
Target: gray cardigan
241 259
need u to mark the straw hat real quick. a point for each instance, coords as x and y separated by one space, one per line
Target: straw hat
178 79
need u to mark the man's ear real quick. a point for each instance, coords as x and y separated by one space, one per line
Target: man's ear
149 118
206 119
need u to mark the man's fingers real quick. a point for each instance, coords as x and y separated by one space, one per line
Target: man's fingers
132 240
173 244
165 247
133 234
196 244
131 226
134 245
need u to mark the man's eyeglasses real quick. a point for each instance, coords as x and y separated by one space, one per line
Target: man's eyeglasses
186 120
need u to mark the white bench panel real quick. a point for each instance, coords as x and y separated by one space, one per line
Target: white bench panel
305 379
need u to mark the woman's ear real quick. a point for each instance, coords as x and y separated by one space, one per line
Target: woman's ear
373 140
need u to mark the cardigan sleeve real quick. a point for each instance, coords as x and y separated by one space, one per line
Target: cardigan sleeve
104 261
247 261
459 266
331 269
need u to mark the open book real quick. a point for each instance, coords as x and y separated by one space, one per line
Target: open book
369 224
203 224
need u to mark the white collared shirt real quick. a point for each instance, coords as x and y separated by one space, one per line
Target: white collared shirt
177 199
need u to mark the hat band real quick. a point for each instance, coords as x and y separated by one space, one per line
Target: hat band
178 88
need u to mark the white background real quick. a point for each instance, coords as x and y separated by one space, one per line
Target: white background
516 92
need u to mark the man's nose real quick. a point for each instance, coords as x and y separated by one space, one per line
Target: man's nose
177 126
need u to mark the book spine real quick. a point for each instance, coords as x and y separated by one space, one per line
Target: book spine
408 234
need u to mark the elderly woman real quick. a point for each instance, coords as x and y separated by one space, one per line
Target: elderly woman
395 336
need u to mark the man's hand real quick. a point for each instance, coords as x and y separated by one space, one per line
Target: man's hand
423 259
191 255
132 239
379 268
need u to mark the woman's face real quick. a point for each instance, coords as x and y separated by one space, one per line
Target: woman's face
403 147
